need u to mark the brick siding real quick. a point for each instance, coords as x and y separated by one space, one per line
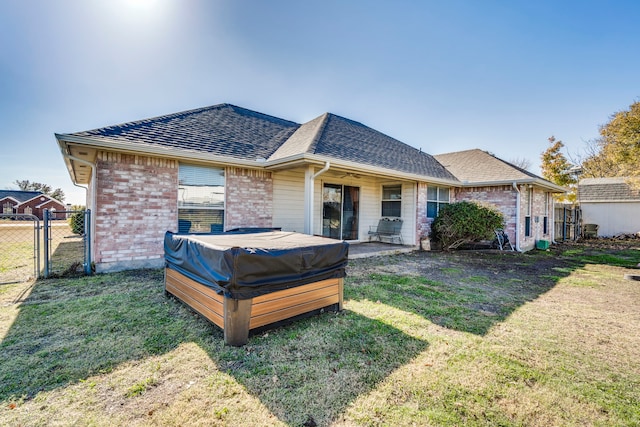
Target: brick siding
503 197
136 203
249 198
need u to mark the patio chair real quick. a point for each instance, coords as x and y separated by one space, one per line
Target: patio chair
502 240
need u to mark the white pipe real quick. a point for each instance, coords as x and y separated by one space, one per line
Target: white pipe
308 195
515 187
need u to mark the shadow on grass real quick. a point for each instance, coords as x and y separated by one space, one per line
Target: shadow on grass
471 291
68 256
73 328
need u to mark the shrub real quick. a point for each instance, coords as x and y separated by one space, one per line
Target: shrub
465 222
76 222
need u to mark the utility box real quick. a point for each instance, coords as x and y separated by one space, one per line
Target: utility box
542 245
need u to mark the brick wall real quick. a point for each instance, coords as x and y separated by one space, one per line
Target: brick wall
423 224
249 198
136 203
537 212
503 197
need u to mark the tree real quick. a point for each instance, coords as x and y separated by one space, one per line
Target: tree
555 166
521 162
617 151
26 185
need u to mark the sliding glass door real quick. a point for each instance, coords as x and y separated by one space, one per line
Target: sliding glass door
340 209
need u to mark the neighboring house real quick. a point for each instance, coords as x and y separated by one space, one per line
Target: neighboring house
30 203
611 203
525 199
223 167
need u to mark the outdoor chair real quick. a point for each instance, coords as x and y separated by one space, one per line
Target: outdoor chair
590 231
387 228
502 240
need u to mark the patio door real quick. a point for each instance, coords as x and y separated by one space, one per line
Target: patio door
340 211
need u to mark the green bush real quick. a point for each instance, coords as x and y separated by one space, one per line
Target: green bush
465 222
76 222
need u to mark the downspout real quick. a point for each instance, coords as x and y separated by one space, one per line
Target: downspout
515 187
93 198
310 178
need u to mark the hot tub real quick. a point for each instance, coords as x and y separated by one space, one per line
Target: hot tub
244 281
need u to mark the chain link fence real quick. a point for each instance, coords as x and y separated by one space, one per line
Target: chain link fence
19 248
59 245
64 243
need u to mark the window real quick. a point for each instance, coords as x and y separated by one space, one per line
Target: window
200 199
7 208
527 218
392 200
545 220
436 197
28 210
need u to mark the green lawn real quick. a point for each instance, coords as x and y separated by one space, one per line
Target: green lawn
425 339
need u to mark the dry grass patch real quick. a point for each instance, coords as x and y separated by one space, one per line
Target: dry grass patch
426 339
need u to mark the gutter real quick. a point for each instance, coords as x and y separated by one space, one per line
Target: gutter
310 178
515 187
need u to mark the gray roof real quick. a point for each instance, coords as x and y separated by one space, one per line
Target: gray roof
477 166
336 137
222 129
607 190
235 132
20 196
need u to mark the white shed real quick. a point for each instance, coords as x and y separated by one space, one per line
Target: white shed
611 203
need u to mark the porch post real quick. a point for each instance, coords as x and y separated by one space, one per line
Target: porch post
309 180
308 200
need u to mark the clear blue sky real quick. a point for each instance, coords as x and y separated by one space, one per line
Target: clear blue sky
443 76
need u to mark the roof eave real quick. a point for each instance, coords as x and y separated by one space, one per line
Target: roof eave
533 181
148 149
307 158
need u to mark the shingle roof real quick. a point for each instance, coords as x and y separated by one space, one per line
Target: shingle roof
222 129
606 189
236 132
336 137
479 166
20 196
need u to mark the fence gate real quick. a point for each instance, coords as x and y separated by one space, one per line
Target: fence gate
66 242
19 248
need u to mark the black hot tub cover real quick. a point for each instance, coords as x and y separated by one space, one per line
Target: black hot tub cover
243 266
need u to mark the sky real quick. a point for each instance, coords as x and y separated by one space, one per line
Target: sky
443 76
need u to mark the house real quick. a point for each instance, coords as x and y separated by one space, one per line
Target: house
30 203
525 199
223 167
611 203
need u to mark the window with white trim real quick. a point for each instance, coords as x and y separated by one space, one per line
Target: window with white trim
392 201
201 192
7 208
436 197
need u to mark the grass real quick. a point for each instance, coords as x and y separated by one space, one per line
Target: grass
425 339
17 252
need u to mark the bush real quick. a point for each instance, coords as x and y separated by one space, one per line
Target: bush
76 222
465 222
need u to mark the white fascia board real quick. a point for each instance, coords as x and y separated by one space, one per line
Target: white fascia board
301 159
582 201
153 150
533 181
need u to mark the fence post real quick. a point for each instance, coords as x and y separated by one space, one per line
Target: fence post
45 240
87 242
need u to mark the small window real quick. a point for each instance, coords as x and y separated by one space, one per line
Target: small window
436 197
392 201
200 199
